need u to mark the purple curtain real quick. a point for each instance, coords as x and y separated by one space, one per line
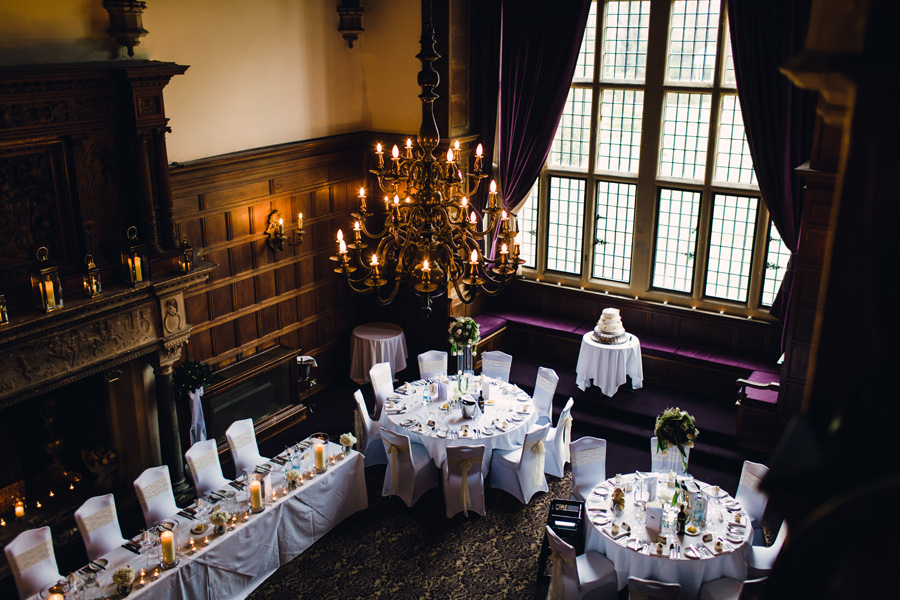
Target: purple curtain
539 47
778 117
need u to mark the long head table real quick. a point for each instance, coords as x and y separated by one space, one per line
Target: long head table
234 564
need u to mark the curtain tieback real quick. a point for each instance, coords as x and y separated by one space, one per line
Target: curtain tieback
538 448
465 464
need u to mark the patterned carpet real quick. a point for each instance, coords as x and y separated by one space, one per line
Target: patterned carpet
391 551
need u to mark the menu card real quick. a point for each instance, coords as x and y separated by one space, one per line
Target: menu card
654 517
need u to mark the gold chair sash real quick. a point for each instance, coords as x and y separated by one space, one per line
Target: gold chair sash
394 455
558 560
538 448
464 466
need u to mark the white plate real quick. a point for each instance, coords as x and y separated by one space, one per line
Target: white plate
407 422
734 538
442 433
696 531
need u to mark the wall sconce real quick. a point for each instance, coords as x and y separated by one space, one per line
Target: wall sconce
126 22
350 25
92 286
186 263
275 231
45 282
298 235
134 259
4 316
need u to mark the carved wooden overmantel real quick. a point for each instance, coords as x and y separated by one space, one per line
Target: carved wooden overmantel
46 352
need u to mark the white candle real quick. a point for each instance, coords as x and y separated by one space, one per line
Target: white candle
320 457
20 509
300 221
55 597
48 292
167 546
256 498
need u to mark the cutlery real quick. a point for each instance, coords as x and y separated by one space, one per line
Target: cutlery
98 565
130 548
236 485
186 515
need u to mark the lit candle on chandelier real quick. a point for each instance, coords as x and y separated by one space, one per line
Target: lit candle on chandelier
504 251
464 207
362 199
426 271
380 154
395 157
492 197
342 246
478 152
374 265
450 156
456 150
408 148
473 262
472 218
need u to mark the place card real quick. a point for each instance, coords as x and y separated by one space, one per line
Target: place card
654 518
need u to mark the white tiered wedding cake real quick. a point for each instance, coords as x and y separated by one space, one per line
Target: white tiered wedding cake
609 329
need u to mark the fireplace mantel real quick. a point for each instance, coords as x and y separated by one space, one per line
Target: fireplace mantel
42 352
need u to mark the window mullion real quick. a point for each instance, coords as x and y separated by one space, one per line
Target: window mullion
758 264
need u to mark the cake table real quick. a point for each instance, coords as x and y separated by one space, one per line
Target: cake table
609 365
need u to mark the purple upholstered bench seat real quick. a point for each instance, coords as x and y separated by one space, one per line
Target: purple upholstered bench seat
709 355
762 398
559 325
489 324
657 346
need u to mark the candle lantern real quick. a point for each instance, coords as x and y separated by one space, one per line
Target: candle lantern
321 451
91 277
4 316
187 256
134 259
168 544
256 486
45 282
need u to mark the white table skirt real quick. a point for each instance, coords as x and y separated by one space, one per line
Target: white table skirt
375 343
608 364
234 564
505 406
688 572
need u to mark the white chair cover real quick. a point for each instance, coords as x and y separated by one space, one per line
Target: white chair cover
647 589
544 390
410 471
368 434
575 577
382 383
99 525
761 558
521 471
463 480
206 470
32 561
752 499
558 440
244 450
154 492
588 465
432 364
496 365
670 461
726 588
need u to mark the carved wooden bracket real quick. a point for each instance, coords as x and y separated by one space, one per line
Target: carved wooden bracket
350 25
126 22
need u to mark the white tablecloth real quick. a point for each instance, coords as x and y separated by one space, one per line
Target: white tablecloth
234 564
507 405
608 364
689 572
375 343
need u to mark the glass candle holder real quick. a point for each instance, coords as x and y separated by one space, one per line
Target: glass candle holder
256 486
168 544
320 451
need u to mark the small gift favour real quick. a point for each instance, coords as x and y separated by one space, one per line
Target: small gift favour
718 545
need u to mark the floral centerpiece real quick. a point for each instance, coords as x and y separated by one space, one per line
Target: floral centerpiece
191 375
102 462
675 427
347 440
123 577
219 518
464 333
293 478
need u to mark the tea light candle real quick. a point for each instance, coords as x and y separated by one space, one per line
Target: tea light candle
319 450
246 517
206 541
167 546
256 498
191 544
55 597
20 509
2 523
155 573
38 504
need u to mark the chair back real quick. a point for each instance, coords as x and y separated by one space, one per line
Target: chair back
563 436
752 589
588 457
432 364
564 565
670 461
400 462
365 420
32 561
464 481
368 433
531 464
206 470
544 390
496 365
382 382
99 525
242 442
154 492
647 589
752 499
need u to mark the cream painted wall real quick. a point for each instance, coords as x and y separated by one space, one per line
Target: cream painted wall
261 73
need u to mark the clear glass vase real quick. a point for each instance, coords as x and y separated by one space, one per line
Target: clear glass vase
465 369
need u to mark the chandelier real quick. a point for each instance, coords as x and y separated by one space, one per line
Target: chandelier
432 236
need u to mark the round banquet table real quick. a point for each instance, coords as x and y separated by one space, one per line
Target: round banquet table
633 558
375 343
609 364
508 415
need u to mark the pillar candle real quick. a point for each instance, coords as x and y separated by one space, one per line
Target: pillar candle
20 509
256 499
48 292
167 546
55 597
138 275
320 456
